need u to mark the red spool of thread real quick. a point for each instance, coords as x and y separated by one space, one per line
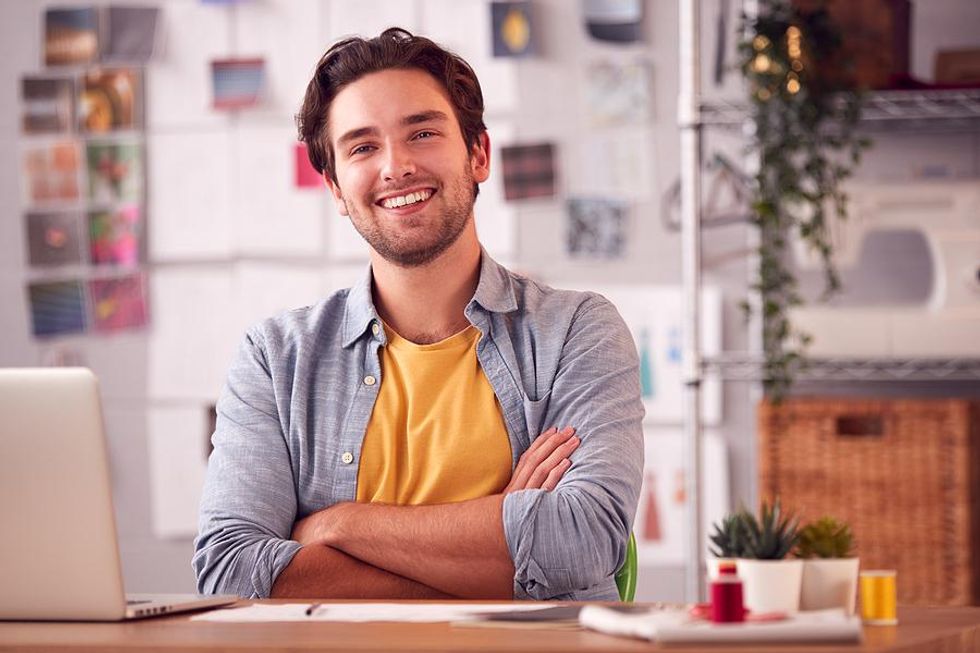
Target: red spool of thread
726 596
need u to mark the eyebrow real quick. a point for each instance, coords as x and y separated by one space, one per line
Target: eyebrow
413 119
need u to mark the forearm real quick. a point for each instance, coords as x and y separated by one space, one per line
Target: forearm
456 548
320 571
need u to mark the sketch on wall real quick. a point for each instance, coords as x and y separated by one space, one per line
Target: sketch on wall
619 93
597 228
655 317
661 518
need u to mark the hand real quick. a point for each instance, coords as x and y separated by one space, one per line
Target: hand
545 461
318 527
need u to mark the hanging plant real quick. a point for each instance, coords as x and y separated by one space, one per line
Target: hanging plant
805 114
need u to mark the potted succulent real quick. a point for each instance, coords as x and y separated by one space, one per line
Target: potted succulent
830 569
771 583
727 541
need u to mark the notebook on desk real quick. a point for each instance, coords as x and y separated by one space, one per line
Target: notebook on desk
59 557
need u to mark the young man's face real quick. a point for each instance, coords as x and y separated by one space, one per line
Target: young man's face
404 174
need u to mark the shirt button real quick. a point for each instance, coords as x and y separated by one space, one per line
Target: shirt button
369 380
375 329
348 458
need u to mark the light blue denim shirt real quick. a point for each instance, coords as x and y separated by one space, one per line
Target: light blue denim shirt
298 397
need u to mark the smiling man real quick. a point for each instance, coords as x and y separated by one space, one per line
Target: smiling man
445 428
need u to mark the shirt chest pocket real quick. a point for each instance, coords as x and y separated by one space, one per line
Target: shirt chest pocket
535 412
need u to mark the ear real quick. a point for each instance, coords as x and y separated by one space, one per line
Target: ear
338 197
480 158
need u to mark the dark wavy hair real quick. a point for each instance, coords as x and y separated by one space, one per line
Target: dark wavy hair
350 59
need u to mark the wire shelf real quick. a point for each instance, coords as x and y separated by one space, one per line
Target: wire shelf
747 367
945 110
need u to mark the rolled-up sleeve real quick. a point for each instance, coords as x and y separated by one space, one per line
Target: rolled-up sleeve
573 539
249 500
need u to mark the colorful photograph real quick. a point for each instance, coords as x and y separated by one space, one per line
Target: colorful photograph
54 239
306 175
513 34
118 303
51 173
114 236
57 307
619 94
47 104
131 34
529 171
110 100
115 172
71 36
597 228
237 83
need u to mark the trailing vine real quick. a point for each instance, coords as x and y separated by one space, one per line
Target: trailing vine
805 116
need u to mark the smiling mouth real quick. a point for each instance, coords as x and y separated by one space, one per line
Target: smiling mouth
408 199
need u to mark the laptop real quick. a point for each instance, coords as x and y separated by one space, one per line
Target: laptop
59 557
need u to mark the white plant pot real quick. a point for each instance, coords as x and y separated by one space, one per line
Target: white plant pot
771 585
829 583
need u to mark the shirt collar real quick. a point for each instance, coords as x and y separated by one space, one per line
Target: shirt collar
494 292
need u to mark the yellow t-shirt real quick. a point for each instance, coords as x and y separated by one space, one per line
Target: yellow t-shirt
436 434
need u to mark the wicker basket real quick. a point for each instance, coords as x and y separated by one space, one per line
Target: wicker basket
904 473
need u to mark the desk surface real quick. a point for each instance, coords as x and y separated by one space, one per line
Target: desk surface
950 630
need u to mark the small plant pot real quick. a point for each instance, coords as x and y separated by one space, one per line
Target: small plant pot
829 583
771 585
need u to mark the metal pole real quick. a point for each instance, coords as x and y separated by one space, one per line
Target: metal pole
689 121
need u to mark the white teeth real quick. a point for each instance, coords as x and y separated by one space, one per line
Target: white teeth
402 200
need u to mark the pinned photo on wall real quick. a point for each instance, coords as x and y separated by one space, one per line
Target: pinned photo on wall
110 100
71 36
237 83
529 171
616 21
113 236
51 173
57 308
115 172
306 175
513 29
597 228
54 239
48 104
118 303
130 34
619 94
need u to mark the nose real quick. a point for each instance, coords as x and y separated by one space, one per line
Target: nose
398 163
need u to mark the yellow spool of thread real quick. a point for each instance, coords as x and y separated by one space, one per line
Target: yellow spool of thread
879 597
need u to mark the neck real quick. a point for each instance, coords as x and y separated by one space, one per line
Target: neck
425 304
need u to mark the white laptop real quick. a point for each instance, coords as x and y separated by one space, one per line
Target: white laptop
59 558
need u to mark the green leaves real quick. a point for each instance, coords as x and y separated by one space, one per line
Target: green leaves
825 538
805 137
770 537
728 537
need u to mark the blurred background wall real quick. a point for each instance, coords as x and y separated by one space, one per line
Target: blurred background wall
228 238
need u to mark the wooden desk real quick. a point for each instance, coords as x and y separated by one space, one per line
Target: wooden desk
946 630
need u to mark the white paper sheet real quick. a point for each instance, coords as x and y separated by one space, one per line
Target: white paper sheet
194 333
287 35
368 17
189 195
617 163
272 216
266 289
661 517
344 244
177 448
367 612
178 79
675 627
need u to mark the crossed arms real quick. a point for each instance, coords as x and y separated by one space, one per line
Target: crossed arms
363 550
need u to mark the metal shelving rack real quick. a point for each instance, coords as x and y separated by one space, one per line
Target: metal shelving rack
921 111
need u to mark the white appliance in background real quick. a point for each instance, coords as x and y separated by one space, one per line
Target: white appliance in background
947 213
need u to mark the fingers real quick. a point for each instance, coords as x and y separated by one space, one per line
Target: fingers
551 482
543 470
542 447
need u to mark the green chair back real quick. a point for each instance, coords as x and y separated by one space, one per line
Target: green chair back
626 576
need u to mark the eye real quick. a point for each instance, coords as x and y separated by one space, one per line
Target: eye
425 133
361 149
